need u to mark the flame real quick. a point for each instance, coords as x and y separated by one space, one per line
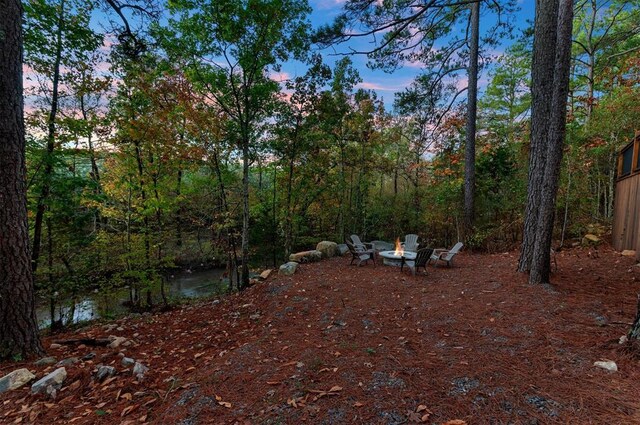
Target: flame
399 250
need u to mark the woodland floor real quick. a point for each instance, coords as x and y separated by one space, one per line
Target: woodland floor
340 344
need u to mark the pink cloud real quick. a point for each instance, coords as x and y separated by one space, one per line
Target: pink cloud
367 85
280 76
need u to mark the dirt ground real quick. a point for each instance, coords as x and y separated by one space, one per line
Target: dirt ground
340 344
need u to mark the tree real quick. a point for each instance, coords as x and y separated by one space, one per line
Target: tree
409 33
18 326
230 47
549 88
57 37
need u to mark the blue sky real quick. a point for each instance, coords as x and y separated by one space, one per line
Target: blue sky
386 84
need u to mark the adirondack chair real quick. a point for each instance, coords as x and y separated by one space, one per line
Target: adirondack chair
410 243
422 259
445 255
360 253
355 239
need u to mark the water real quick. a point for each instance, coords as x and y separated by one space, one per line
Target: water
93 306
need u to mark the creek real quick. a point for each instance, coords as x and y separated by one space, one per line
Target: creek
98 304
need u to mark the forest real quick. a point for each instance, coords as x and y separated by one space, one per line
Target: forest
163 137
154 149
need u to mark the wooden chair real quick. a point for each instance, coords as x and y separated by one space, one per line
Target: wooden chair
410 243
355 239
422 259
360 253
446 255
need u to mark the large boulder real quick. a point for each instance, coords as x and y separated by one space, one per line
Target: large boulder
343 248
327 248
53 381
15 380
590 240
289 268
306 256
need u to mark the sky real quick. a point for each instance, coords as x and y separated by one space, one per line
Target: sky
386 84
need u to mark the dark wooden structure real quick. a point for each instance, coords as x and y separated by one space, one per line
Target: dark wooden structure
626 210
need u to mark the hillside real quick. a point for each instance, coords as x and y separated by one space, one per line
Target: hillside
339 344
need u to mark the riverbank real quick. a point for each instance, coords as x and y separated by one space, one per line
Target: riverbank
341 344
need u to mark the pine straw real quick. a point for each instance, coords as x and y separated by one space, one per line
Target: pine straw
474 342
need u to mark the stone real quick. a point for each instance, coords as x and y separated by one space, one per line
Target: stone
105 372
67 362
628 253
608 364
139 370
89 356
265 274
116 341
623 339
15 379
343 248
289 268
45 361
306 256
127 361
383 246
328 249
590 239
55 346
52 381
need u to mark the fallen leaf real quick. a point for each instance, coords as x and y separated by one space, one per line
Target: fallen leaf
128 410
358 404
455 422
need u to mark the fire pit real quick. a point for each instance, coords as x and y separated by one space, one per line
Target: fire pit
394 258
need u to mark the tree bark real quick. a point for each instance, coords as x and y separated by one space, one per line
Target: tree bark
18 325
547 135
541 88
541 262
470 146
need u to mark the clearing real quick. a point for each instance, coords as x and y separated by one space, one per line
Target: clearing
339 344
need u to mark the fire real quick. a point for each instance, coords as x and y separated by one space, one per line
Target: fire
399 250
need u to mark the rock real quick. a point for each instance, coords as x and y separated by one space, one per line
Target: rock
45 361
265 274
383 246
328 249
116 341
105 372
55 346
343 248
15 379
306 256
590 239
52 381
139 370
68 362
623 339
89 356
628 253
289 268
127 361
608 364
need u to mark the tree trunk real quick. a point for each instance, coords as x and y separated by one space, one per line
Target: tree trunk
542 69
541 261
244 280
470 146
18 325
